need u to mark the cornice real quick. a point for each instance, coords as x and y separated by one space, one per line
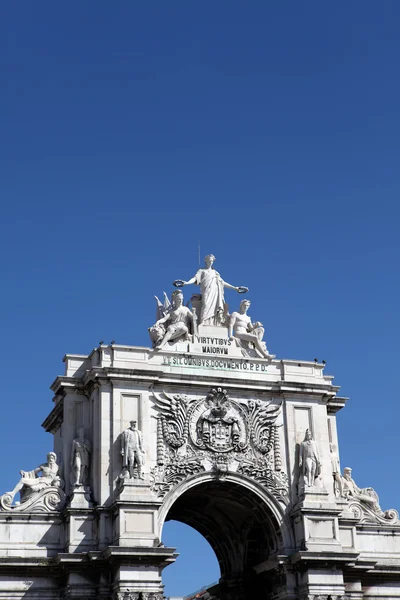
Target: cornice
52 423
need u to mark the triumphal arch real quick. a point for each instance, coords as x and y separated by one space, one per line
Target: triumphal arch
207 427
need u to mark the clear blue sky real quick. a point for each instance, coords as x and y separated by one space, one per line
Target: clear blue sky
268 131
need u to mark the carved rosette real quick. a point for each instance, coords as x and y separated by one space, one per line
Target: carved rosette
219 435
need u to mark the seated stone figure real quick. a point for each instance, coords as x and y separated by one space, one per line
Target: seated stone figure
241 328
366 496
175 325
30 482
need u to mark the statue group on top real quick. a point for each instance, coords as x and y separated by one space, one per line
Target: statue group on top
176 322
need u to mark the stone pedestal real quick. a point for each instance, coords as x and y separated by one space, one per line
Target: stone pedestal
81 497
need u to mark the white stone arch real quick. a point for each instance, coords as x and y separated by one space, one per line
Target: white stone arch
275 508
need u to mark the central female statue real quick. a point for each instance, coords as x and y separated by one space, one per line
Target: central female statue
212 292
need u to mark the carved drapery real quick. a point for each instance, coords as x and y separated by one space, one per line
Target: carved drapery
220 435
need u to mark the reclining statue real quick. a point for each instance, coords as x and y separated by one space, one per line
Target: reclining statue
367 497
31 483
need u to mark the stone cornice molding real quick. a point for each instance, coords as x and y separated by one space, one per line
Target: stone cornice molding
342 557
335 404
102 375
53 422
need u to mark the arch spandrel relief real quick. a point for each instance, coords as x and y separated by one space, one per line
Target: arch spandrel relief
218 434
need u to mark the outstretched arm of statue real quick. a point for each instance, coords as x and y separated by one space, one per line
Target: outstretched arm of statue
241 289
180 283
229 286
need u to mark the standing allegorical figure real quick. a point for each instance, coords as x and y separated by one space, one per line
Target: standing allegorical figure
309 461
338 487
131 451
212 292
80 459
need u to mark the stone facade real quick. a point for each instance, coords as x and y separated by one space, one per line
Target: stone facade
209 429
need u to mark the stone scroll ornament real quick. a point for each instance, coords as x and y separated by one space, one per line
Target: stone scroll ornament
37 493
220 435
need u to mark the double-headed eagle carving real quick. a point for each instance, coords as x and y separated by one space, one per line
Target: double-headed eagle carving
217 423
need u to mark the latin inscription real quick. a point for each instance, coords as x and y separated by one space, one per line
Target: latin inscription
214 345
213 363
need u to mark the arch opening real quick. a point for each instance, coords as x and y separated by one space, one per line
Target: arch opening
241 529
196 567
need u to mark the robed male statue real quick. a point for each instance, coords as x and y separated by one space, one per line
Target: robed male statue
132 451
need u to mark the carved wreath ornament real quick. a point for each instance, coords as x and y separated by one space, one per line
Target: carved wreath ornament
217 434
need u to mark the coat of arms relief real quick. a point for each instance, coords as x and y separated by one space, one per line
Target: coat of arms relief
220 435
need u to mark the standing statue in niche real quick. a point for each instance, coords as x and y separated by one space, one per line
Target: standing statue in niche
30 482
80 459
212 292
337 479
175 324
309 460
131 452
241 328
